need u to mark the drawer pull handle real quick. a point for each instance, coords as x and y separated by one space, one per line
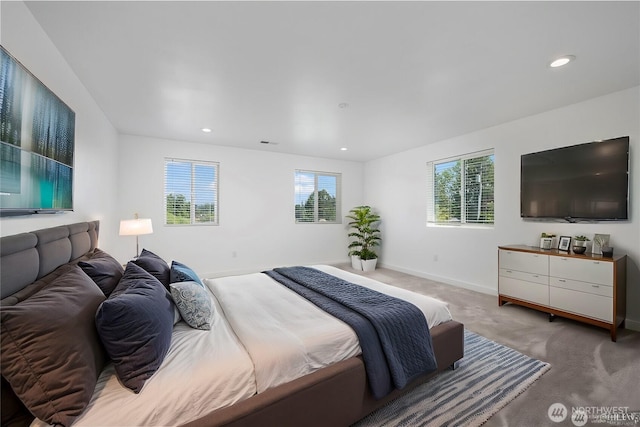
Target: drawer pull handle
509 271
596 262
535 275
561 280
595 286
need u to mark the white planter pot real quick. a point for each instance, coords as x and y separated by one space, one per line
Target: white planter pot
546 242
356 263
369 264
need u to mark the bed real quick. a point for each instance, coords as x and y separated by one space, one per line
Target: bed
266 357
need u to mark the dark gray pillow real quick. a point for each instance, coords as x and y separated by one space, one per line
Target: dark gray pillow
155 265
135 325
105 270
51 353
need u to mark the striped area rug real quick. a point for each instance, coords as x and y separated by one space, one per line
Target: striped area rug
488 377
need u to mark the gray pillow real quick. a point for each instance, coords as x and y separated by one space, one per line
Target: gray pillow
105 270
194 304
155 265
51 353
135 325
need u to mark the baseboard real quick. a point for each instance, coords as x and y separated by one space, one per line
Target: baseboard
458 283
633 325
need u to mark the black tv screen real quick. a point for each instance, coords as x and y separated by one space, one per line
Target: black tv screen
580 182
37 132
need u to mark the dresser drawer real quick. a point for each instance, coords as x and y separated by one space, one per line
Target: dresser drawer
521 275
526 291
591 288
589 305
592 271
522 261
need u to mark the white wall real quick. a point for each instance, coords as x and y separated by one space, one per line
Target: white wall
256 208
95 138
396 187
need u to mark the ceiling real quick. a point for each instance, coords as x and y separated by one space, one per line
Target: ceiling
314 77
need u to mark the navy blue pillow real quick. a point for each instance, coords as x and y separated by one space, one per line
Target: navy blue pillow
156 266
182 273
104 270
135 325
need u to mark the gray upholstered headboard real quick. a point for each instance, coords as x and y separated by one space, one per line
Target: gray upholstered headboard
26 257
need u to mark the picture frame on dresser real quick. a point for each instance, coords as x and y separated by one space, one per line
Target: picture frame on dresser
564 243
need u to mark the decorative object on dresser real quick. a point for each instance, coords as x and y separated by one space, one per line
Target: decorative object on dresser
367 236
546 240
586 288
136 227
580 244
564 243
599 241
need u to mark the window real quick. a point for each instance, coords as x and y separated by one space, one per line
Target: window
460 190
317 197
190 192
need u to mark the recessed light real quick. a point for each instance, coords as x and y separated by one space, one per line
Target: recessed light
205 130
344 149
564 60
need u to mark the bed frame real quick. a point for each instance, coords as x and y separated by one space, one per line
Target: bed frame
334 396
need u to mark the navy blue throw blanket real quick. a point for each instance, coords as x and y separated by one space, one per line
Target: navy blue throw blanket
393 333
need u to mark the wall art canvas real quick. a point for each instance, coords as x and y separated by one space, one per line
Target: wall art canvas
37 137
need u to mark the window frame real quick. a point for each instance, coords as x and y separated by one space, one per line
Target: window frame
192 211
316 175
431 191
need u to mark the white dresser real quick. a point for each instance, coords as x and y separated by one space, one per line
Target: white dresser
587 288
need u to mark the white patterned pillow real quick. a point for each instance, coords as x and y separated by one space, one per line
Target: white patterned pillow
194 303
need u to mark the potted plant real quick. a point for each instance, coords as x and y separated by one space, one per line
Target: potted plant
546 240
580 244
366 236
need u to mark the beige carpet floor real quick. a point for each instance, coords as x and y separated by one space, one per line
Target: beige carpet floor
587 368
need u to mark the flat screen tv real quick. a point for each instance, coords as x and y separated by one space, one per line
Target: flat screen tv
37 132
580 182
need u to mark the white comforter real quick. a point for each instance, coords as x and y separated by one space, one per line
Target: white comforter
287 336
264 335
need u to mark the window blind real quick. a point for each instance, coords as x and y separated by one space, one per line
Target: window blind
317 197
190 192
460 190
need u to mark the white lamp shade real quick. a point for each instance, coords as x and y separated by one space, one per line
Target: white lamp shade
135 227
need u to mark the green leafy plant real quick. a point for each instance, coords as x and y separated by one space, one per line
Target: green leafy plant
547 235
365 232
581 238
